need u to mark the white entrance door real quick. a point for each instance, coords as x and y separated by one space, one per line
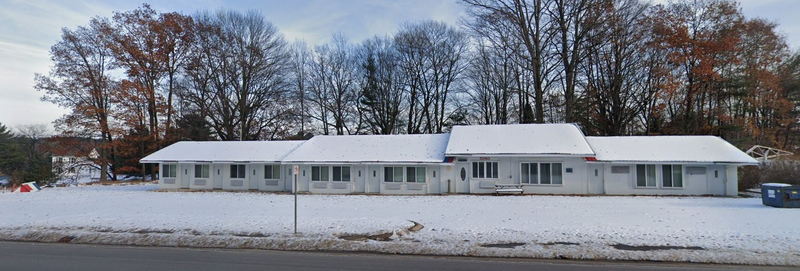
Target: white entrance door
303 179
433 179
359 172
462 178
186 173
217 172
373 179
596 182
716 180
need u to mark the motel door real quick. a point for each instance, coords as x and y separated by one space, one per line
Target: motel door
373 179
360 178
596 185
187 171
716 180
462 178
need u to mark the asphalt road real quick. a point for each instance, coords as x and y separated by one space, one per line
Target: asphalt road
40 256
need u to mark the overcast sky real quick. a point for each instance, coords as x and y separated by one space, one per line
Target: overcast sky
29 27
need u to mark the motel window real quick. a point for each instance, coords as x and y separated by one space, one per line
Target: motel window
272 172
646 175
201 171
169 170
556 177
672 175
541 173
319 174
237 171
341 174
484 170
415 174
393 174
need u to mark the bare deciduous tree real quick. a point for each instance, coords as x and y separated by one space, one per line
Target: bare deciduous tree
432 58
381 86
80 81
239 75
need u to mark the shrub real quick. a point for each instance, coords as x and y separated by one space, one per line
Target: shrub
775 171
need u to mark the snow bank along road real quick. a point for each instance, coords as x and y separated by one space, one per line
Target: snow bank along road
693 229
36 256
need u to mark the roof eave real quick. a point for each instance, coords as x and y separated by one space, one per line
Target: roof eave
737 163
522 154
152 161
365 162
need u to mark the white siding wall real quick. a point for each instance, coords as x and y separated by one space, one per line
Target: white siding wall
168 183
326 186
281 183
509 172
732 181
448 178
716 179
430 186
693 184
201 183
229 183
371 180
182 176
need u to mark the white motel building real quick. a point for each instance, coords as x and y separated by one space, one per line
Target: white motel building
481 159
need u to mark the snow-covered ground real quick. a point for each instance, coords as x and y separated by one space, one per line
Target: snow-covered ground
725 230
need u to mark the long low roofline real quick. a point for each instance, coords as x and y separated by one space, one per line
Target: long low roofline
523 154
517 140
674 162
148 161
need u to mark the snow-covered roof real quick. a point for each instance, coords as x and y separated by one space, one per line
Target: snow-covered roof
693 149
491 140
372 149
223 151
518 139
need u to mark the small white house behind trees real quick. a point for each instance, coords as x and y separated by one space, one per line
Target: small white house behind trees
75 166
537 158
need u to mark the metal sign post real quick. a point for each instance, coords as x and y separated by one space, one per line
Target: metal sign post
295 170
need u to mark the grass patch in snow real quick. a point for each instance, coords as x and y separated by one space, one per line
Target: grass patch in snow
652 248
385 236
503 245
560 243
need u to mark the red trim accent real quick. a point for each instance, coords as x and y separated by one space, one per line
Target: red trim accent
590 158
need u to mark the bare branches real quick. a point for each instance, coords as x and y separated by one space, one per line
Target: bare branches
615 67
238 74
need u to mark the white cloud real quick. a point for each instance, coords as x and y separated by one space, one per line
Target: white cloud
29 28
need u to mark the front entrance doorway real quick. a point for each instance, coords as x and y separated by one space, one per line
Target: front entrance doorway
462 178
